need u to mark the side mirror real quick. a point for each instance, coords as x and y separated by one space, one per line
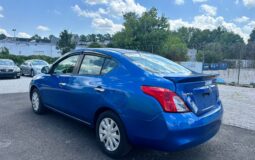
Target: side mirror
45 69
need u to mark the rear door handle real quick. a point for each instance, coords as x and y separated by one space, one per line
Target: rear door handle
99 89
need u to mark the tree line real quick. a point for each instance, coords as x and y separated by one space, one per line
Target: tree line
150 32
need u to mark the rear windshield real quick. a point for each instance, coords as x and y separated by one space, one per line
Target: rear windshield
6 62
156 64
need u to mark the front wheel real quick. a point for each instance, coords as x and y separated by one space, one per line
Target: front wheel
37 105
21 72
17 76
111 135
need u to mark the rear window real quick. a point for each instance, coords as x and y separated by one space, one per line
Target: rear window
156 64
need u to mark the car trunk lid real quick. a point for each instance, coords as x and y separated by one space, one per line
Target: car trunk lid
199 91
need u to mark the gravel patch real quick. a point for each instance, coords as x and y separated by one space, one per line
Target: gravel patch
239 106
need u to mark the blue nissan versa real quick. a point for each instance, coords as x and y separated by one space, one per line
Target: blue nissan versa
131 98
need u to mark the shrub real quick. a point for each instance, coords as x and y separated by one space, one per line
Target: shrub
19 59
4 51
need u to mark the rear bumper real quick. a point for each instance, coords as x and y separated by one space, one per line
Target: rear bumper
175 131
10 74
189 133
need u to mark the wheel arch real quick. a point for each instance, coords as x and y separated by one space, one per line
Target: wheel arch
31 89
100 111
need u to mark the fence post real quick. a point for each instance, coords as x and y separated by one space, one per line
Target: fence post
239 65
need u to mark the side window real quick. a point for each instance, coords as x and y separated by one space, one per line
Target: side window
91 65
67 65
109 65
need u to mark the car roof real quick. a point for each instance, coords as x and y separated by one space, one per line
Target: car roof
109 51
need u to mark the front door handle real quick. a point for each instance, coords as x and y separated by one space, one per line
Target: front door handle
99 89
62 84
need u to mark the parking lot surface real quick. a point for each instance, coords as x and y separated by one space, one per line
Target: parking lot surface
27 136
14 85
238 102
239 106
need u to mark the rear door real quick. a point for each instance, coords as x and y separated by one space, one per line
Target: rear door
86 87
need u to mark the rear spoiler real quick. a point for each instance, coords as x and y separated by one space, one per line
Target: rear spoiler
192 78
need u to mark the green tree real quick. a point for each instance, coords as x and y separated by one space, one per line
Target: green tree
146 33
252 36
2 36
92 38
107 37
95 45
4 51
36 37
212 53
250 47
83 38
53 39
174 48
65 43
100 37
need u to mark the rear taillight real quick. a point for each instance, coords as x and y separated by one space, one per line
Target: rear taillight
169 101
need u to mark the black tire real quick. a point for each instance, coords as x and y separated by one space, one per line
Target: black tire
40 109
21 72
124 146
32 73
16 76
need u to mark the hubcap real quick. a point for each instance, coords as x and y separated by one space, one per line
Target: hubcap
35 101
109 134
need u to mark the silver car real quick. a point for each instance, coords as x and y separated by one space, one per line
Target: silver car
32 67
8 69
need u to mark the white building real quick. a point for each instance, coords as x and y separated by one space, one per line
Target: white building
30 48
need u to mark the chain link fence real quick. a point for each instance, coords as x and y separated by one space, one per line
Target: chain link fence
239 70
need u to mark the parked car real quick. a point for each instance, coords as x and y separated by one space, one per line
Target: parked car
9 69
32 67
131 98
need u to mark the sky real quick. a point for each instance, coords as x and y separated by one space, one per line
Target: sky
45 17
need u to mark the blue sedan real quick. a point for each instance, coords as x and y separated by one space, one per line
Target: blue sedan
131 98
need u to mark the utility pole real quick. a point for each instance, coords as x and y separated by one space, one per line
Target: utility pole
14 35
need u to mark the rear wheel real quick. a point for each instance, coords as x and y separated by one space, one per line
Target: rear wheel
37 105
32 73
111 135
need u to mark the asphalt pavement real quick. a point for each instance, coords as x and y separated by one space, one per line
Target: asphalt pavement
27 136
